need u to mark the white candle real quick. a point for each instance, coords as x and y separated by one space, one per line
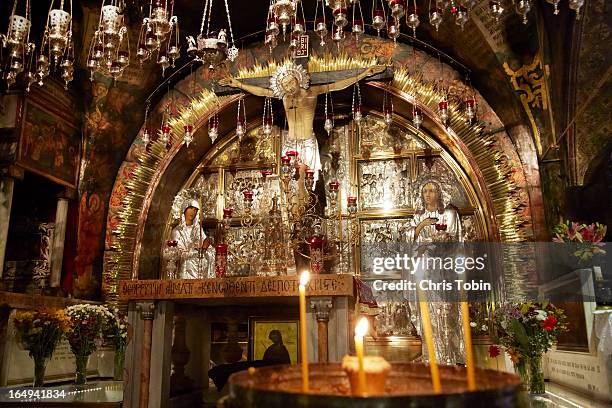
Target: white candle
360 330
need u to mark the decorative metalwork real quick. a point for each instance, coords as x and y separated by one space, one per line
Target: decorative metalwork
385 184
109 50
239 182
287 78
159 26
397 318
382 238
377 138
484 152
18 45
211 47
42 269
56 44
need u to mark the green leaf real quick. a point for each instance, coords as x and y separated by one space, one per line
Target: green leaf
521 335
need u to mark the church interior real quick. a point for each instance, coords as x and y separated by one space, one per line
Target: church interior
309 203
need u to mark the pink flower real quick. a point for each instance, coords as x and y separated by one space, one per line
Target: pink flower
572 230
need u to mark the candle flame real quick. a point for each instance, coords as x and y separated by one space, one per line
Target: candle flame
304 278
362 327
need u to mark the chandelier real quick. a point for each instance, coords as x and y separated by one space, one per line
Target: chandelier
56 46
109 51
159 33
17 43
210 47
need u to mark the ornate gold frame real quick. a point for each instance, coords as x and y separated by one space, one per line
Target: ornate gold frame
475 154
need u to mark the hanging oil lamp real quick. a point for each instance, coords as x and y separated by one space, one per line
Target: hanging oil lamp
497 10
213 127
396 8
443 111
241 119
357 26
417 116
267 118
329 116
388 109
522 8
356 104
188 134
412 18
436 15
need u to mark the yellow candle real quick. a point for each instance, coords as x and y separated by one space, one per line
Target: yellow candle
340 214
431 351
469 353
303 350
360 330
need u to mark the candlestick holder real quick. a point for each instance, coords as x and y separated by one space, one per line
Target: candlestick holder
407 385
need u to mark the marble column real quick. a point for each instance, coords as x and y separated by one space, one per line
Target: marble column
6 200
161 350
322 307
147 313
59 236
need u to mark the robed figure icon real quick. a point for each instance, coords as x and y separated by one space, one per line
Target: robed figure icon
436 233
196 256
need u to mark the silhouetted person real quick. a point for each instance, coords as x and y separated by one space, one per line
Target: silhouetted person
277 351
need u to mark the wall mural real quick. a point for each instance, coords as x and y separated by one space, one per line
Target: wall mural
113 113
49 145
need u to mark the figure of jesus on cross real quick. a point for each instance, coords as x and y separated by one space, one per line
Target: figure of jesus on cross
291 83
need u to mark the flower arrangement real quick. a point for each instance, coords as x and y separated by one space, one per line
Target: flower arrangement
526 331
116 329
116 332
40 332
591 236
85 329
479 319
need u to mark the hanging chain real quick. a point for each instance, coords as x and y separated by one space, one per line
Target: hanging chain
203 17
229 22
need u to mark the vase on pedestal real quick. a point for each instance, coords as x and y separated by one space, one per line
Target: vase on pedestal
81 361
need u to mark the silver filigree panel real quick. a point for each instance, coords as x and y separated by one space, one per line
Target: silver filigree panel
384 184
382 238
235 185
207 187
377 138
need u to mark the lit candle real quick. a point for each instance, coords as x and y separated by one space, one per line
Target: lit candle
467 335
431 351
303 350
360 330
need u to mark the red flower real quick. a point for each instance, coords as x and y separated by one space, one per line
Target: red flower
549 323
494 351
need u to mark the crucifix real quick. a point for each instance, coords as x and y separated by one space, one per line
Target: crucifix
292 83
